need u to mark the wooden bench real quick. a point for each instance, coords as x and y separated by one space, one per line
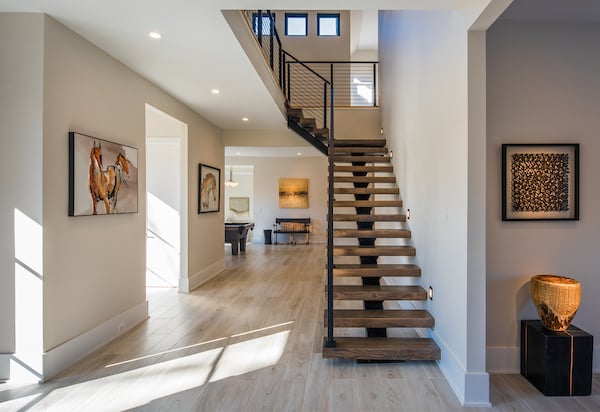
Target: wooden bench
291 226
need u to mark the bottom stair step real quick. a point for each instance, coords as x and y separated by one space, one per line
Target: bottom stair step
383 349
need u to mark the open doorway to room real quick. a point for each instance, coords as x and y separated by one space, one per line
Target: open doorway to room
166 199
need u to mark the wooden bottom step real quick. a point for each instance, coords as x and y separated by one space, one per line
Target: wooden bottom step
382 349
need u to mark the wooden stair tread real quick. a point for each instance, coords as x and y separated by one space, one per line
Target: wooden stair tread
367 203
376 270
382 349
378 292
375 233
321 133
308 123
295 113
360 142
357 149
369 218
364 179
367 190
397 318
374 251
361 159
374 169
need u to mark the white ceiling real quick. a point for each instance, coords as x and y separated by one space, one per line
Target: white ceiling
199 52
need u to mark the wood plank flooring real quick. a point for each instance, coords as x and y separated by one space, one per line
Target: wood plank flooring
250 340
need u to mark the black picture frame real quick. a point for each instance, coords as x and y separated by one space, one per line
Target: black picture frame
209 189
540 181
103 176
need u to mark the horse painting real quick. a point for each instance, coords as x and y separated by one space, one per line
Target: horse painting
105 183
209 186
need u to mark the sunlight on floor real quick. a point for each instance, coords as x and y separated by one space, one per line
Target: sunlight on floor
234 356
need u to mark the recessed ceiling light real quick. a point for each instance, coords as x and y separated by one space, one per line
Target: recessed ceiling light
155 35
245 119
215 91
238 153
299 154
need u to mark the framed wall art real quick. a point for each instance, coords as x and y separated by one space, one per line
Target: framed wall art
293 193
540 181
103 177
209 196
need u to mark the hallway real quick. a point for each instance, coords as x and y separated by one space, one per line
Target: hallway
250 340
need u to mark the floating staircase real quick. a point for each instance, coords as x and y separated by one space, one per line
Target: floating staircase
362 180
365 223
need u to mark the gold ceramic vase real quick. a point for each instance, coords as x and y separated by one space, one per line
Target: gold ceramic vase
556 299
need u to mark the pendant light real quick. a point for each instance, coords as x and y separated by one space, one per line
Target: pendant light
230 182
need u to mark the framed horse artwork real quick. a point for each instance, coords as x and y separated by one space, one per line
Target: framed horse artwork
209 181
103 177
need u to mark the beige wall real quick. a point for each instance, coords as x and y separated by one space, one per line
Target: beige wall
267 171
93 267
313 47
543 87
425 116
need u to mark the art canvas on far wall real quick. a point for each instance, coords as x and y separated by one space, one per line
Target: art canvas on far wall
209 195
540 182
293 193
103 177
239 207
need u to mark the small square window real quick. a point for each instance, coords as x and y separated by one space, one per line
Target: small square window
266 24
328 24
296 24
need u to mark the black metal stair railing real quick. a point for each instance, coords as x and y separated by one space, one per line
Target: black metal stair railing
303 87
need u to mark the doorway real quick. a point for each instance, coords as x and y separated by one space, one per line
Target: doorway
166 200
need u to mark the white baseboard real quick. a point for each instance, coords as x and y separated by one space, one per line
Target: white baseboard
471 388
5 366
191 283
66 354
507 359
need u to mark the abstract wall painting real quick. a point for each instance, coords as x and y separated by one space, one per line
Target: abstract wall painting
239 207
209 197
103 177
540 181
293 193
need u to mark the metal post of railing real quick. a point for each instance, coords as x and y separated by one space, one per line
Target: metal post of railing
259 26
330 342
281 71
324 105
374 84
271 38
289 90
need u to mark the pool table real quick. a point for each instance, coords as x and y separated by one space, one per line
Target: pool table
236 234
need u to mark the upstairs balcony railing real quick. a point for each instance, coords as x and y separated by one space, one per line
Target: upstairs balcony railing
305 83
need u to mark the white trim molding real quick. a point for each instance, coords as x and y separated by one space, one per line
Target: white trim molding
471 388
62 356
186 285
5 366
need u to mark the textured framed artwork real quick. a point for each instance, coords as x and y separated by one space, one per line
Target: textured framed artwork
103 177
293 193
540 181
209 181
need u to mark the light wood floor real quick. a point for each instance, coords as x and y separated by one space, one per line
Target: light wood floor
249 340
